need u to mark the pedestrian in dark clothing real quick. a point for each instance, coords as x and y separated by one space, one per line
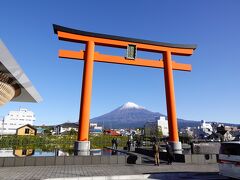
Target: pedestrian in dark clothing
128 145
170 155
137 143
113 143
116 143
156 153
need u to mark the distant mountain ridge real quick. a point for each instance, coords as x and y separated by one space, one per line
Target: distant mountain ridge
131 115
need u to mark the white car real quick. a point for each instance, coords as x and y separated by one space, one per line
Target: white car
229 159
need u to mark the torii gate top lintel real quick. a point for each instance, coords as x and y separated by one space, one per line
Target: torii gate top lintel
74 35
58 28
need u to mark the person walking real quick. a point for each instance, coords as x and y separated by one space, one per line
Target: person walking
116 143
170 155
156 153
128 145
137 143
113 143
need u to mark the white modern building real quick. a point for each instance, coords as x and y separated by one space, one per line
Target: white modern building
204 130
188 131
16 119
95 129
95 126
206 127
160 124
65 127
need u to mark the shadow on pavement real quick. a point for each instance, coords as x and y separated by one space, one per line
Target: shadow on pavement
185 175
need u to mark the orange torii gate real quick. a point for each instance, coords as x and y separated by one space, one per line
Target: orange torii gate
132 45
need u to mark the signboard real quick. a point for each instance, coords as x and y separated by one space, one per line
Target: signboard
131 51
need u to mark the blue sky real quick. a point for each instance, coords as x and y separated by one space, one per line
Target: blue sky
210 92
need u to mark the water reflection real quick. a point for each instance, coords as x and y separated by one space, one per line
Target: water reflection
6 153
54 152
96 152
23 152
114 152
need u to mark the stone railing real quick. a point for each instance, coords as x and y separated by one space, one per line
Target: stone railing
61 160
184 158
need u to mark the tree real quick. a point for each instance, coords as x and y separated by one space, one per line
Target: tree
47 131
72 132
185 138
159 133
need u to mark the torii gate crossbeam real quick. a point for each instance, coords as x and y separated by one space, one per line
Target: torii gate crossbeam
90 56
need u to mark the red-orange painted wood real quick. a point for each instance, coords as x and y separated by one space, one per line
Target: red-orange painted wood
122 44
121 60
170 97
84 117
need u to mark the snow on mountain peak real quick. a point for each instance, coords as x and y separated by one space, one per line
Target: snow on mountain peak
131 105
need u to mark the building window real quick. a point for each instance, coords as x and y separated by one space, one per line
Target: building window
26 131
24 151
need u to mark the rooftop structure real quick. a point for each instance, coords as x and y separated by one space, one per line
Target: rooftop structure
14 83
26 130
65 127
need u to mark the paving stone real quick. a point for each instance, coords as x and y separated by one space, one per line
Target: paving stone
96 160
87 160
69 160
198 159
1 161
59 160
50 161
78 160
105 159
40 161
113 160
188 158
121 159
30 161
9 161
139 160
19 161
110 170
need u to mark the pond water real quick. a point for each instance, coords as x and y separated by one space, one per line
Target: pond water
55 152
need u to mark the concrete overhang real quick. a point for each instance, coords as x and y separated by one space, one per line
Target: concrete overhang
10 67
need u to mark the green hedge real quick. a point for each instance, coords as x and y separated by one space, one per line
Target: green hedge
53 142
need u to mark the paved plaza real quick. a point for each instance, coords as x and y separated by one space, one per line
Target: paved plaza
143 171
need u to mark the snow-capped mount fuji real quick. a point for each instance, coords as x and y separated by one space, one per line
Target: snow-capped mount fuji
129 115
130 105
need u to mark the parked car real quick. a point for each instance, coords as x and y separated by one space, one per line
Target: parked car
229 159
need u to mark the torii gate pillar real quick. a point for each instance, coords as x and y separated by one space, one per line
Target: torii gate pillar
82 144
171 104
